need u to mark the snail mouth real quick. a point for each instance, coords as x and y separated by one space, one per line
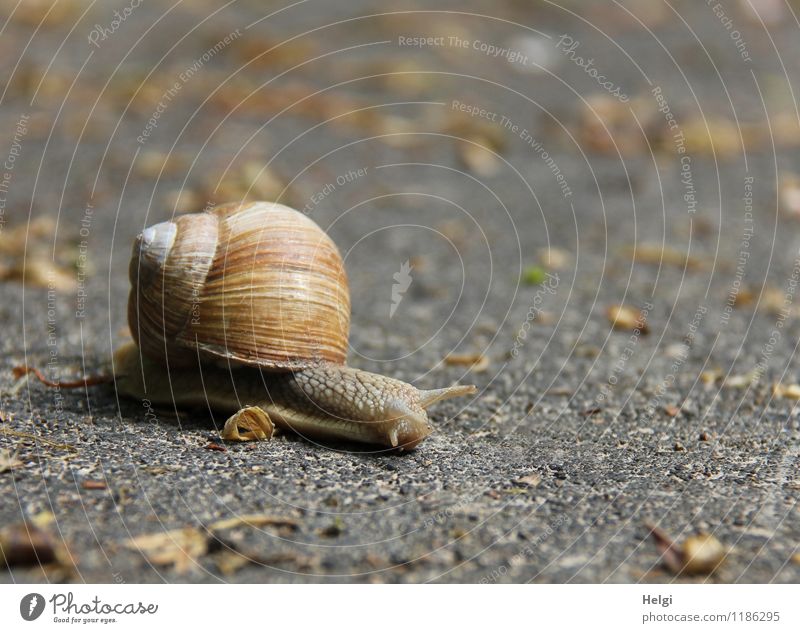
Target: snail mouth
406 427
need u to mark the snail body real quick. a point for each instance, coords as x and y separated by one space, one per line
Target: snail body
247 305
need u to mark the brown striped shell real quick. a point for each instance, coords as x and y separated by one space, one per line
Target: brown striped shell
254 283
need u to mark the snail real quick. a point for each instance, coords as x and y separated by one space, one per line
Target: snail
245 309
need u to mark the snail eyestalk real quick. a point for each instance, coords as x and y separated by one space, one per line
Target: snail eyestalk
431 396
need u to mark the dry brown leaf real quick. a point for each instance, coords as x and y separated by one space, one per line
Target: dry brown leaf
531 480
9 461
253 181
661 255
253 520
476 362
716 135
93 484
453 230
638 14
301 99
479 158
25 545
6 430
627 318
789 195
40 271
791 391
554 258
713 377
177 548
399 132
266 52
263 181
27 255
155 164
229 561
744 297
479 144
607 125
770 12
698 554
14 241
298 99
676 350
785 129
702 554
587 351
404 75
32 77
740 381
463 126
775 302
28 544
182 548
41 13
183 201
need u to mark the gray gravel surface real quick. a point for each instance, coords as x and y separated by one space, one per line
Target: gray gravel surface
580 435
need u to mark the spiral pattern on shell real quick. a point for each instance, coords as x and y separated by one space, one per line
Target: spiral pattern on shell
252 283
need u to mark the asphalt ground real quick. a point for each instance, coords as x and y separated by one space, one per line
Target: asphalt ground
667 187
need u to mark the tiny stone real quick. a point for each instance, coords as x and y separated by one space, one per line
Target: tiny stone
332 531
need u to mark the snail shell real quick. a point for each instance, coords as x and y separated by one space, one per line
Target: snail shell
254 283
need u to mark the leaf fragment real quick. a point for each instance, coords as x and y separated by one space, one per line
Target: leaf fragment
663 255
9 461
789 195
93 484
177 548
534 275
790 391
25 545
253 520
476 362
628 318
182 548
554 258
698 554
531 481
